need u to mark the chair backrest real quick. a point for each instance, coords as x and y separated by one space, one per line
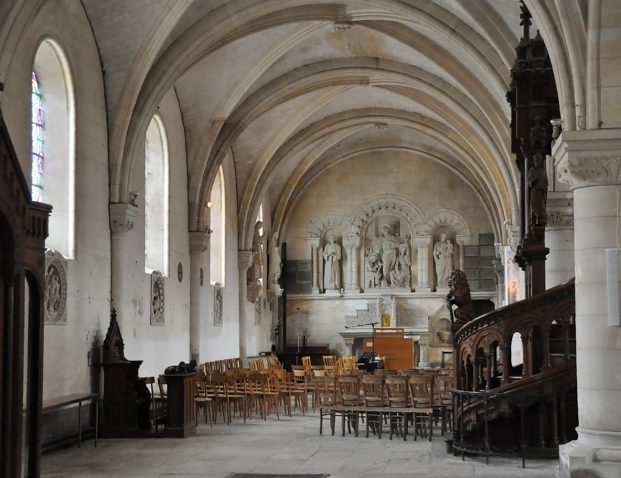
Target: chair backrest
306 363
326 390
329 361
273 362
421 388
161 384
373 390
442 387
319 373
299 376
349 390
397 391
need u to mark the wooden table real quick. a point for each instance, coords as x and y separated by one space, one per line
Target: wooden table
61 402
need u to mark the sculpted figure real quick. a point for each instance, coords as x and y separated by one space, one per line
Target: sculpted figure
459 295
538 190
400 276
255 273
331 269
390 245
443 258
374 266
275 262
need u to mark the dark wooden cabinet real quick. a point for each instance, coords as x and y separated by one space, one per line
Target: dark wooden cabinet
181 409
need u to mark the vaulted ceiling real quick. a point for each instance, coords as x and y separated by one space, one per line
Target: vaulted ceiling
288 87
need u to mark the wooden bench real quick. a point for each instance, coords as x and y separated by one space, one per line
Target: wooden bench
61 402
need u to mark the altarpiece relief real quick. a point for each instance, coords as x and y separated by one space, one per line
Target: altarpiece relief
387 254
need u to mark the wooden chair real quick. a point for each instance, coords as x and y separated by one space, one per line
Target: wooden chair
443 399
350 399
261 394
326 390
161 385
202 400
274 363
329 364
421 388
398 395
303 386
374 397
306 363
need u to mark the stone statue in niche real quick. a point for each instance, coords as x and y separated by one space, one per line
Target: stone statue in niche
255 272
390 244
443 259
332 265
537 179
157 298
400 275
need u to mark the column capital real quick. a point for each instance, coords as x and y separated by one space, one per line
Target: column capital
313 241
588 158
122 217
351 240
422 241
244 259
199 241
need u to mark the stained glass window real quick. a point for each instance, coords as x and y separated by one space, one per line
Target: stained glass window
38 130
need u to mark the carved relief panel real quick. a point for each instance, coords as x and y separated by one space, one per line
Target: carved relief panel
217 305
55 304
157 298
387 254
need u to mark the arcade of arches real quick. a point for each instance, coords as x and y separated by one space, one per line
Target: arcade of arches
243 176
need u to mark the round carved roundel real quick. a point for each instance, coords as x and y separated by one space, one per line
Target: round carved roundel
180 272
55 290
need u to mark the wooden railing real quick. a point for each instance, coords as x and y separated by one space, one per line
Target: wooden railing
527 406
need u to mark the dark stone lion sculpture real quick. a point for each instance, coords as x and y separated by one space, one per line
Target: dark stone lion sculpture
459 295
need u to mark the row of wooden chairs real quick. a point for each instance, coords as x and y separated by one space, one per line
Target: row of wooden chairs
242 392
401 398
221 365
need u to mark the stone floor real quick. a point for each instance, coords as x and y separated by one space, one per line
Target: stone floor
285 446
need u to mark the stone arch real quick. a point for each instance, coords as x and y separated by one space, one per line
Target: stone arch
388 204
319 224
446 217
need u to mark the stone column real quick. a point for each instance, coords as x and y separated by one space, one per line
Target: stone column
423 243
351 243
244 260
314 245
121 221
423 347
349 345
560 238
199 259
590 162
462 242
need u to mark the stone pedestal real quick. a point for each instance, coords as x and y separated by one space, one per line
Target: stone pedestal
199 260
590 162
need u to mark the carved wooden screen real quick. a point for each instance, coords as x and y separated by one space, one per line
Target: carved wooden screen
23 229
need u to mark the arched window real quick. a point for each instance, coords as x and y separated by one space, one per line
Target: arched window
53 144
38 138
217 224
156 198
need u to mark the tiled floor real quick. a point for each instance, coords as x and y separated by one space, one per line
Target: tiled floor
290 445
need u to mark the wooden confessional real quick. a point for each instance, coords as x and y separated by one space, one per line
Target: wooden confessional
23 229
